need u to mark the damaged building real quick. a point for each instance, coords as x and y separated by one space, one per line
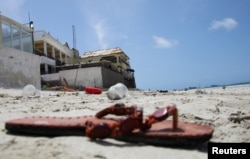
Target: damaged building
18 64
36 57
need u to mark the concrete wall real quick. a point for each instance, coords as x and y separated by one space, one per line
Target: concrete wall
51 77
90 76
111 77
18 68
46 60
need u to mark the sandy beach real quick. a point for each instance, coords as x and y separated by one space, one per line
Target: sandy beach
211 106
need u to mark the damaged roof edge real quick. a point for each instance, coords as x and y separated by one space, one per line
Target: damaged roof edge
116 50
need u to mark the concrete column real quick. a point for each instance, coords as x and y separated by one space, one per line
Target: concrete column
66 59
45 48
54 56
46 54
53 52
60 55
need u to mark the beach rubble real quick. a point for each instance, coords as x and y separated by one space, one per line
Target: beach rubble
226 110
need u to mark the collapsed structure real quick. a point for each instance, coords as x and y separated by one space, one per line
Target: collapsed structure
36 57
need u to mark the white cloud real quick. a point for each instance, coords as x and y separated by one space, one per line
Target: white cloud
12 8
110 21
101 33
161 42
106 34
227 23
101 28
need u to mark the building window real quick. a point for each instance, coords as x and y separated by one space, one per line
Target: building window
27 41
6 34
14 37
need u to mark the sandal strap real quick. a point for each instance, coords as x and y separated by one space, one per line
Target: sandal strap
118 109
132 120
160 115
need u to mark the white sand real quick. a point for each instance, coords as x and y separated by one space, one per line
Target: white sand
212 108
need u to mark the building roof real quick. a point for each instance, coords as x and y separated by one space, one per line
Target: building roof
104 52
41 36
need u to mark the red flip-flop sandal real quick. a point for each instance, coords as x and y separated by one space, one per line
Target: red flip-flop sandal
162 133
131 127
48 126
154 130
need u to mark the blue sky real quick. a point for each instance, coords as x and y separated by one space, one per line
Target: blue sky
172 44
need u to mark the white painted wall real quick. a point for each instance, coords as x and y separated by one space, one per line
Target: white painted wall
18 68
51 77
91 76
46 60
